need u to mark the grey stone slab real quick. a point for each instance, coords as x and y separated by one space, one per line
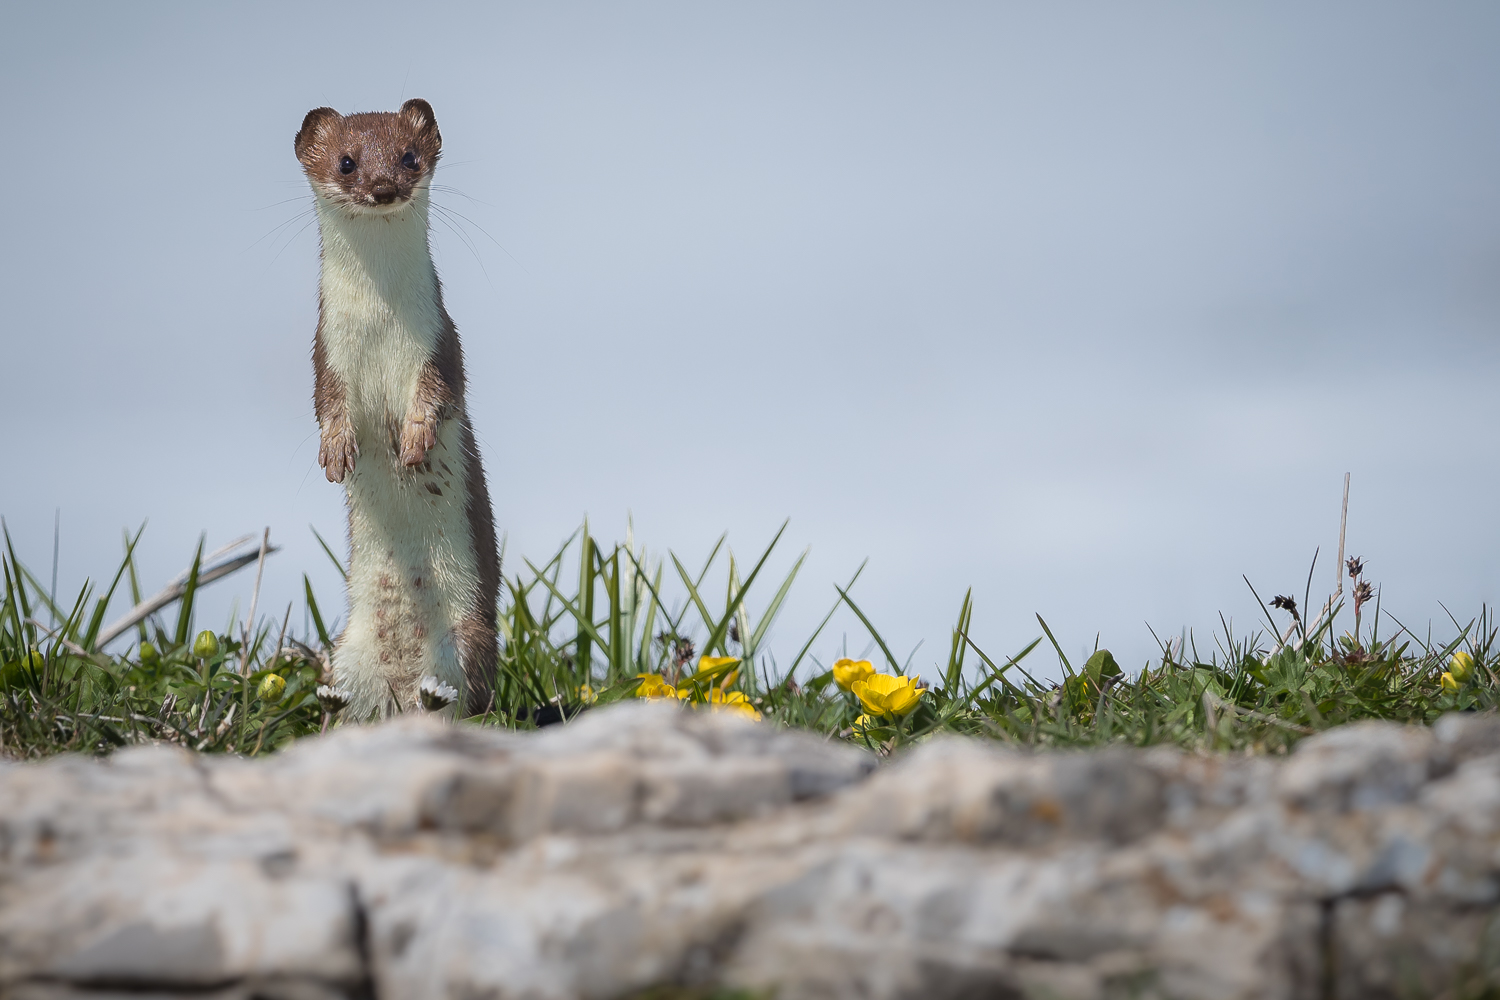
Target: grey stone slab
645 846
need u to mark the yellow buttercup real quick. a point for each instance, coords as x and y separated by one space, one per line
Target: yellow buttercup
887 694
846 672
732 701
709 664
655 686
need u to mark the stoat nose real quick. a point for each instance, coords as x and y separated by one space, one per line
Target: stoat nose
384 191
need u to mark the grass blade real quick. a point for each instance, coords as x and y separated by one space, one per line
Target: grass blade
185 609
317 617
343 573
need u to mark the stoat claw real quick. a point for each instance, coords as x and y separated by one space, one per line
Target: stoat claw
336 452
418 437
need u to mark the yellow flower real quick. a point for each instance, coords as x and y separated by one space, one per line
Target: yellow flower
587 695
1461 666
655 686
732 701
1450 684
847 671
863 724
709 666
887 694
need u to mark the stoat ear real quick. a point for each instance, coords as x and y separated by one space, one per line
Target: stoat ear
313 134
418 114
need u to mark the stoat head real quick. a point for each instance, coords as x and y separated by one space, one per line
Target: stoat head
372 163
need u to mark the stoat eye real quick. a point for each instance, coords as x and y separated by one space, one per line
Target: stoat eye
409 161
346 165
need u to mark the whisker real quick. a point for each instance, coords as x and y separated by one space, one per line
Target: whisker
467 242
278 229
448 211
447 215
471 222
450 189
458 228
288 201
294 237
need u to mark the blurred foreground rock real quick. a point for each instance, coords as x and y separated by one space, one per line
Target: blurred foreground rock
643 847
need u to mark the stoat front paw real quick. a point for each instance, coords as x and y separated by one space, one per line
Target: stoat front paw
418 437
337 450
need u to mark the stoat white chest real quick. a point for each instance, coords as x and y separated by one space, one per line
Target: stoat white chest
381 317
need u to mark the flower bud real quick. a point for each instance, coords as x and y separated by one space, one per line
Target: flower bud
148 654
34 660
206 645
1461 666
272 687
1450 684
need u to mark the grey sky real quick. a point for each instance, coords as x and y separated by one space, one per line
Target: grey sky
1088 306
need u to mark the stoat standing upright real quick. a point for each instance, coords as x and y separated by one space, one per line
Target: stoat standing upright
389 396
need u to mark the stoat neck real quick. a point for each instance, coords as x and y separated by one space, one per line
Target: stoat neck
386 256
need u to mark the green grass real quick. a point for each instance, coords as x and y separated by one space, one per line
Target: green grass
583 626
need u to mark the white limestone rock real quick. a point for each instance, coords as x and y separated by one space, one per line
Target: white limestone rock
645 846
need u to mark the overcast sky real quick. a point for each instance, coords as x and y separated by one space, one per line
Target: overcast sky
1086 306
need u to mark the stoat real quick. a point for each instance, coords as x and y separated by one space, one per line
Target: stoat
389 396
